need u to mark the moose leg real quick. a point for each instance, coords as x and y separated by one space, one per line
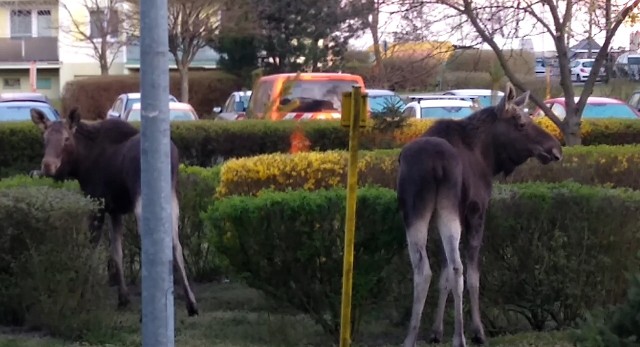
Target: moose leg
192 308
417 231
97 222
450 229
474 238
117 228
444 287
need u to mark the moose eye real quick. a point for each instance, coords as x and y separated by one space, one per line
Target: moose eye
66 139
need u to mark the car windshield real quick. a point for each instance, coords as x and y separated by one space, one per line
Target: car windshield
131 101
485 100
608 111
177 115
323 90
245 100
17 113
445 112
379 103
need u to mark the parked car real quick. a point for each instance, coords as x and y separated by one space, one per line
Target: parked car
634 100
125 101
540 67
381 99
235 107
484 97
17 111
24 96
596 107
440 108
581 68
178 111
310 95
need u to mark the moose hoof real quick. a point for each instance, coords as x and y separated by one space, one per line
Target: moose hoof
478 339
192 309
123 301
436 337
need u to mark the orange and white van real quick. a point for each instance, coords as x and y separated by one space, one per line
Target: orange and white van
301 96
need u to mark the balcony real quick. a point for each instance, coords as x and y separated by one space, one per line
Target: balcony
25 50
206 58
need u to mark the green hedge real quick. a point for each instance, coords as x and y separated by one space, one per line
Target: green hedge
206 143
551 251
196 187
618 166
50 276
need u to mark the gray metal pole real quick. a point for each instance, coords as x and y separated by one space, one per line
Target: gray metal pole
157 256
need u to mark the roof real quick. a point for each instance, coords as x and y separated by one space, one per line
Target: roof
584 44
311 75
25 96
380 92
590 100
480 92
445 103
172 106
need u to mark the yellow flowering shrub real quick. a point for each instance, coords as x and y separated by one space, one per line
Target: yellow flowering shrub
306 170
618 166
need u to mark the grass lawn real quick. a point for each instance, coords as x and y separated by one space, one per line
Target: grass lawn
232 315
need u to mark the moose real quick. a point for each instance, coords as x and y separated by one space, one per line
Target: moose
104 157
448 172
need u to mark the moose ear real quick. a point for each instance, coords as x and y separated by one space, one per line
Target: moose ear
522 99
507 99
73 119
40 119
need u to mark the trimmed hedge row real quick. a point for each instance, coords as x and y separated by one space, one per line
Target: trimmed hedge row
206 143
95 95
594 165
549 253
50 276
195 187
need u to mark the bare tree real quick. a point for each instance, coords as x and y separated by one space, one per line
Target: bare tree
192 25
105 27
557 24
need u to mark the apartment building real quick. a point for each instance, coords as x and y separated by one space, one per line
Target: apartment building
46 43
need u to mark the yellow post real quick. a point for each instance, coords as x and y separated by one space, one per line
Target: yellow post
354 110
548 73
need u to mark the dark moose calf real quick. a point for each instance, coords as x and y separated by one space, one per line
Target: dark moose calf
448 173
104 158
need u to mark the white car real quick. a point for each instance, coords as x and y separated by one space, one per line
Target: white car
581 68
235 107
125 101
484 97
178 111
440 108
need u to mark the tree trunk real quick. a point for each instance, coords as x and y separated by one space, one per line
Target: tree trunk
571 128
104 68
377 52
184 83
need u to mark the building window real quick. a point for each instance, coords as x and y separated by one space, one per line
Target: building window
43 83
11 83
104 23
21 23
31 23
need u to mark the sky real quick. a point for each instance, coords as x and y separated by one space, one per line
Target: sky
541 42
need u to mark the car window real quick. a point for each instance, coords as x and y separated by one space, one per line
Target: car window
587 63
559 111
608 111
410 112
174 115
17 113
228 106
260 98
